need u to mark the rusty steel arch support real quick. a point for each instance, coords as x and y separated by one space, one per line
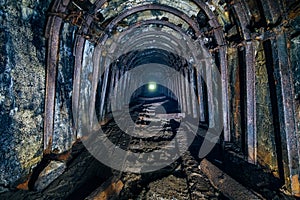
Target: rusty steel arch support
80 45
96 73
220 38
275 16
286 107
158 22
221 42
137 9
251 138
274 13
54 25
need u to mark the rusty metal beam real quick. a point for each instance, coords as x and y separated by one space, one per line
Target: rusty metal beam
95 84
271 11
251 103
225 93
78 53
286 107
200 90
193 90
240 10
137 9
243 19
52 33
187 91
159 22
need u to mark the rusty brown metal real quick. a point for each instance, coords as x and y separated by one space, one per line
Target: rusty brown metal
225 93
78 53
95 80
243 18
52 33
285 93
251 141
165 8
251 104
159 22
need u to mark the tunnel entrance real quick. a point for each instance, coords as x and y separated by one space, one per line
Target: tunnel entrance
113 42
150 99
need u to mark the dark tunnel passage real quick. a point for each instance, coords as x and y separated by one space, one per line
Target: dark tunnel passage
150 99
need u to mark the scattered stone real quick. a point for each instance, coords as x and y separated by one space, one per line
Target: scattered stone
49 174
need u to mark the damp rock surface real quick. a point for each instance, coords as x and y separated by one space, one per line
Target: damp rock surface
49 174
22 77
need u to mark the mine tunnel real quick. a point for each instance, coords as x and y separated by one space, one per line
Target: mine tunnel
150 99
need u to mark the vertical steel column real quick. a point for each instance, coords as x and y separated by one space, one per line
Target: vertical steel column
116 84
251 103
193 95
200 92
78 53
210 92
52 33
112 84
187 91
225 93
103 92
183 92
179 93
286 107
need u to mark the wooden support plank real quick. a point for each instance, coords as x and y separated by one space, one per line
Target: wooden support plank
225 184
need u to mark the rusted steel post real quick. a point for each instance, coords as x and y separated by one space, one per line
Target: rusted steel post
193 95
210 94
286 107
95 81
243 17
165 8
127 83
225 93
220 37
173 93
103 91
179 93
272 11
124 84
200 92
112 84
117 86
187 91
78 53
182 85
176 88
251 104
240 9
53 31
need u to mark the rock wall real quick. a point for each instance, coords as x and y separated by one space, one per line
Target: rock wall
22 86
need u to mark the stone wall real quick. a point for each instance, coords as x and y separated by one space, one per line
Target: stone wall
22 86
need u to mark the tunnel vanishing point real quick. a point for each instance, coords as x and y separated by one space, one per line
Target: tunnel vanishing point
150 99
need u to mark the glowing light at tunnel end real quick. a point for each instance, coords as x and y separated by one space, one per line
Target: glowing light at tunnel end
152 86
